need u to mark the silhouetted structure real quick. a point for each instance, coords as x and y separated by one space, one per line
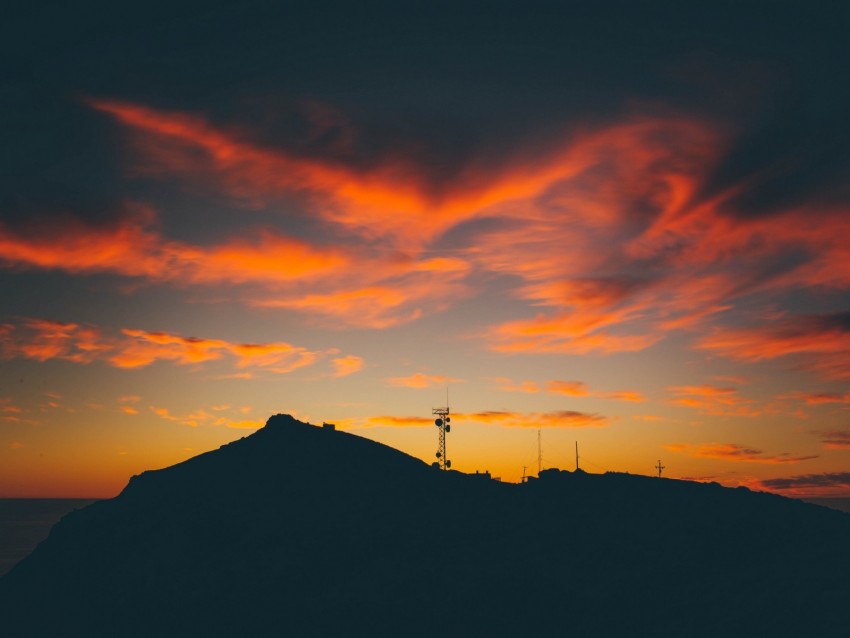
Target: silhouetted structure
444 426
333 543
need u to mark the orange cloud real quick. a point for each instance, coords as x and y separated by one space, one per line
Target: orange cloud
836 440
132 247
817 398
734 452
203 417
557 419
7 406
375 307
128 247
42 340
562 335
579 389
568 388
193 419
624 199
420 380
145 348
353 287
714 400
626 395
391 197
344 366
387 199
820 341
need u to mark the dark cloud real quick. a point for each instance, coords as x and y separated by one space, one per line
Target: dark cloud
827 479
836 439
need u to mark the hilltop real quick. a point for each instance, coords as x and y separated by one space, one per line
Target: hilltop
298 530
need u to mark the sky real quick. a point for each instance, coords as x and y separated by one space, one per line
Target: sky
624 225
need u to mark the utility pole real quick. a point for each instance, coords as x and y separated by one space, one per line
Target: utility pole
659 467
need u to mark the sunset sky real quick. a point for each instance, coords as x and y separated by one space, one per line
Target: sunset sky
613 224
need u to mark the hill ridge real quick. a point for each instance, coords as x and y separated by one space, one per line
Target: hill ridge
310 531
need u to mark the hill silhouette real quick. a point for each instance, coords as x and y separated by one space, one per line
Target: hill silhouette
302 531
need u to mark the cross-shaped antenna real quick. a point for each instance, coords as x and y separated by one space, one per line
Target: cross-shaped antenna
659 467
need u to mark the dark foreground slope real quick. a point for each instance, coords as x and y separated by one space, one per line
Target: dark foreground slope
296 531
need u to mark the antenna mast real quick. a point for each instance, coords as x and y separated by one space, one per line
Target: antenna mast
539 453
576 456
659 467
443 423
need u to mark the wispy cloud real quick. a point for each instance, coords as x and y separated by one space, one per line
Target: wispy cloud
734 452
352 285
502 418
714 400
206 417
554 419
421 380
817 398
824 484
819 342
626 198
580 389
836 439
43 340
344 366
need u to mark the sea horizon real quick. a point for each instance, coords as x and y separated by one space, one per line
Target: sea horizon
25 522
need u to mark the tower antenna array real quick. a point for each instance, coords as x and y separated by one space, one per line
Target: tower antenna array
443 423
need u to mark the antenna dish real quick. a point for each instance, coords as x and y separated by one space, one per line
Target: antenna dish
438 422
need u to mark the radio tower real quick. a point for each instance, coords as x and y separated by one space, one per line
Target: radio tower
539 453
443 423
659 467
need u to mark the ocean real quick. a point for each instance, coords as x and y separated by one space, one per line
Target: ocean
25 522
